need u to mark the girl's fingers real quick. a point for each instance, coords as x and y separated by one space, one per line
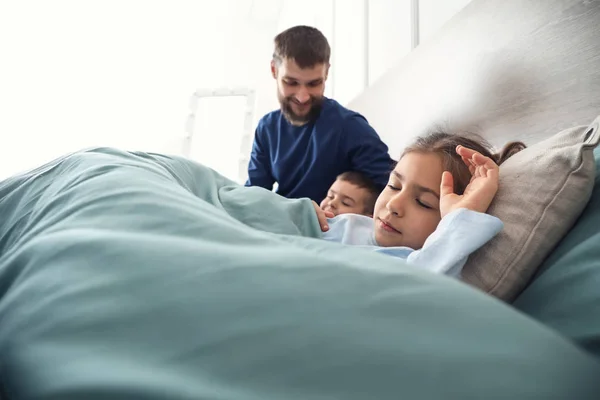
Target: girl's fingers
469 164
465 151
471 157
478 164
482 160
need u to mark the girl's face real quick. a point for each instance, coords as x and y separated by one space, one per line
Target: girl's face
408 209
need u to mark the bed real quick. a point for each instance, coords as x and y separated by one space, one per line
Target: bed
130 275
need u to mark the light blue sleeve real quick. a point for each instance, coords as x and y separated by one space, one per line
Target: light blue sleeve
447 249
351 229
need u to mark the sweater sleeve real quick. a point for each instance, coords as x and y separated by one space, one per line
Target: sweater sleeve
367 152
259 166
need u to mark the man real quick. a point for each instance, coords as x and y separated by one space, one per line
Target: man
311 139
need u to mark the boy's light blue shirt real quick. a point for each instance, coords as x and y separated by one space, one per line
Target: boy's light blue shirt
445 251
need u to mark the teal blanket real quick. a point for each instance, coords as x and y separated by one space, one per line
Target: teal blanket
141 276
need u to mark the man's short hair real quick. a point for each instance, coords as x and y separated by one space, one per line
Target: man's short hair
305 45
364 182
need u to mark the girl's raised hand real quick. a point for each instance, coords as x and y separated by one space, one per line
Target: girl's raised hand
480 191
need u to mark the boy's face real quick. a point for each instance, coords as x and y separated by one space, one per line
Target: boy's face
408 209
346 198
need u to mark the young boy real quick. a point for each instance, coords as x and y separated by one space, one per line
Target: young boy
351 193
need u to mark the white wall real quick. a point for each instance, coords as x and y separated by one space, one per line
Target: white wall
379 99
433 14
121 72
388 38
114 73
389 35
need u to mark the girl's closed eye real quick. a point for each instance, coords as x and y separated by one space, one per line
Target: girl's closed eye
393 187
424 205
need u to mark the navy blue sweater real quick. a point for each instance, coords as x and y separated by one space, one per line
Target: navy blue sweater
305 160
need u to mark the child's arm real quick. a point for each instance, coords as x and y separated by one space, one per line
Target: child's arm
460 233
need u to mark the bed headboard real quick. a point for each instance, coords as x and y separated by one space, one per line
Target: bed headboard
516 69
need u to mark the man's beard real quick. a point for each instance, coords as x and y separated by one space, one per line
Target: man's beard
316 103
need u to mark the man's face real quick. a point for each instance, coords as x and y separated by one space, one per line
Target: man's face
299 91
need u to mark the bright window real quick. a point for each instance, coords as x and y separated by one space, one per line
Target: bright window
219 126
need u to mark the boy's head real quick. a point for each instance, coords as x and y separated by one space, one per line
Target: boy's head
351 193
408 209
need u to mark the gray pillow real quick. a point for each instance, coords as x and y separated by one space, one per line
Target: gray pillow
543 190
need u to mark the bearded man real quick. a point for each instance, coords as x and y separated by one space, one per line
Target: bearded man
311 139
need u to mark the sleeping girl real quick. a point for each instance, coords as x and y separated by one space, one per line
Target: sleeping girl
433 210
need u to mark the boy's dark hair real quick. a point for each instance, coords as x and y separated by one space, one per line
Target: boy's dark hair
445 144
306 45
364 182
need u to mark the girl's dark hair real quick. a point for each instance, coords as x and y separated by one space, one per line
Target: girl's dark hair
444 144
